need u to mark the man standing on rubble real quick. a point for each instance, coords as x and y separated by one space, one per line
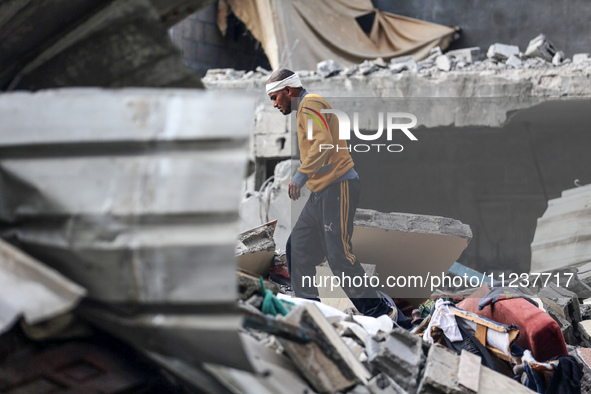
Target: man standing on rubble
325 226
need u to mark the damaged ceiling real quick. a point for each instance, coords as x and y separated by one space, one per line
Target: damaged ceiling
58 43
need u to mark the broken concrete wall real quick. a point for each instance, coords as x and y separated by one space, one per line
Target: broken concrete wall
204 46
495 172
509 21
140 187
133 194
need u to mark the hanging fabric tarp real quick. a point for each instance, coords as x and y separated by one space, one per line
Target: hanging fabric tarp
298 34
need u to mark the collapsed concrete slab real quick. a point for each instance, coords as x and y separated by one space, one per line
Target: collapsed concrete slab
400 357
134 195
30 289
501 51
402 63
514 61
441 376
443 63
408 246
396 243
563 236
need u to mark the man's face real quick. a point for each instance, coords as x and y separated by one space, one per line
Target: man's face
281 101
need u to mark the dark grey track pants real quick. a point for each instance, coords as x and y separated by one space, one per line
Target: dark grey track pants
324 229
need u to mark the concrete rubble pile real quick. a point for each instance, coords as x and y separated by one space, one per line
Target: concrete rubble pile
129 252
333 351
540 54
389 359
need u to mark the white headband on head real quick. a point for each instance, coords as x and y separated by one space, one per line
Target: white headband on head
293 81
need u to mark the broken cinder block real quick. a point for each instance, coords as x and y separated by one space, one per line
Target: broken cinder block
328 68
514 61
561 300
581 58
541 47
328 364
443 63
256 249
400 357
502 51
441 376
379 384
416 240
466 55
368 67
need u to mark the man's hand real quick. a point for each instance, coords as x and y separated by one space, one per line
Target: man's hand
294 190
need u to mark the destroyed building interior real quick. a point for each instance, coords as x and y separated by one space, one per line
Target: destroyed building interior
146 202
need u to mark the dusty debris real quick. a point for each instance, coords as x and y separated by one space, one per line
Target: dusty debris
400 356
579 58
136 232
380 62
541 47
441 376
466 55
327 363
328 68
326 294
256 249
423 244
514 61
249 285
132 231
402 63
501 59
469 371
368 67
501 52
443 63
